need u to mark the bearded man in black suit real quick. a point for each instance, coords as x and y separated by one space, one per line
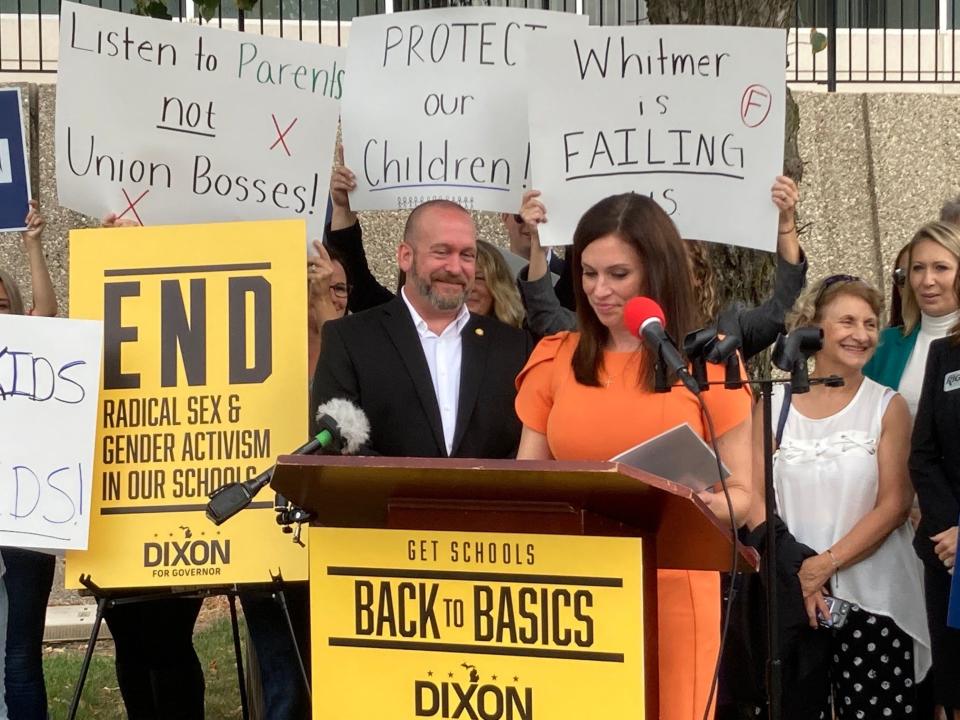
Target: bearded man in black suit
433 379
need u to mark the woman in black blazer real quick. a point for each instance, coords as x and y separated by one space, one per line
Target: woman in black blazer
935 471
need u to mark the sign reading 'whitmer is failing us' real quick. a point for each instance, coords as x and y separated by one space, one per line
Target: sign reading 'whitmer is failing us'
164 122
691 116
437 105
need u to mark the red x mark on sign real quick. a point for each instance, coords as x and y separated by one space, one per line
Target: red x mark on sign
132 205
282 135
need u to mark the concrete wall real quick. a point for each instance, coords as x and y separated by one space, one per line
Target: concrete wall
877 166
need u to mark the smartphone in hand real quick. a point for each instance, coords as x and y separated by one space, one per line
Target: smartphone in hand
839 610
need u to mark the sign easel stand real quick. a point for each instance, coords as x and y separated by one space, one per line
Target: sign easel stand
106 600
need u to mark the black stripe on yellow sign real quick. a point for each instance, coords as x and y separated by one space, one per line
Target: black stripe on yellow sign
182 269
139 509
580 580
478 649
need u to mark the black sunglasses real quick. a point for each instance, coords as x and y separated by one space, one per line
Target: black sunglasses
833 280
899 277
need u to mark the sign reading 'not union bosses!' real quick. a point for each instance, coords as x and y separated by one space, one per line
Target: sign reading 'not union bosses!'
475 625
165 122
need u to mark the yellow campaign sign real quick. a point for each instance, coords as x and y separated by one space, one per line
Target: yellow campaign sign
204 383
413 624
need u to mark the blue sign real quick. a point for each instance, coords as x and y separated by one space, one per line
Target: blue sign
14 175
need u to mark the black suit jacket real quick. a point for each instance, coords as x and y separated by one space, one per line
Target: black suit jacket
375 359
935 452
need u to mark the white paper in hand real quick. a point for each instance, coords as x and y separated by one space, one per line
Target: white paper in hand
678 455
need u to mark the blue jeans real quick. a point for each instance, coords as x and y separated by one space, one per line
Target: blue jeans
28 578
284 696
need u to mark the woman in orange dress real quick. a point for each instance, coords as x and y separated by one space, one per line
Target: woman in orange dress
590 395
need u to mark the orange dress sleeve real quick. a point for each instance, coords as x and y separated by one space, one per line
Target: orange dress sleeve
535 383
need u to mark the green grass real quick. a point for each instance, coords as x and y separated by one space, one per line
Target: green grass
101 696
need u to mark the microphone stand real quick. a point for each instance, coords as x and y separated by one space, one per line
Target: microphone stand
774 661
789 354
799 382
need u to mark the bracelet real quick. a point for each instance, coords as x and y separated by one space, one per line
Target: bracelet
788 230
833 559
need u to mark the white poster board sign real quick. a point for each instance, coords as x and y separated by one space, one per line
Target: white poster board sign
436 106
691 116
166 122
49 380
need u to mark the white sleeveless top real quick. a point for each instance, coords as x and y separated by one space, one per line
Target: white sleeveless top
826 476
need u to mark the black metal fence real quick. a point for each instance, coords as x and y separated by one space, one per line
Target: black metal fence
830 41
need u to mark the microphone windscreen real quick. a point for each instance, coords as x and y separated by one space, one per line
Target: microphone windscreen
352 421
640 309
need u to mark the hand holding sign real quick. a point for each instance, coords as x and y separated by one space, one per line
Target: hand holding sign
111 220
342 183
785 196
34 223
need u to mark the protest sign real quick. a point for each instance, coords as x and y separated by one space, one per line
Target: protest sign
204 383
14 174
49 378
436 106
691 116
165 122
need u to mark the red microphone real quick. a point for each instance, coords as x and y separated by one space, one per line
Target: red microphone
644 318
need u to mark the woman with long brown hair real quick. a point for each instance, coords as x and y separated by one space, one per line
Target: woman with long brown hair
603 377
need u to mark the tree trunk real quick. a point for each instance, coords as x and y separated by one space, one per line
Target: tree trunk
744 275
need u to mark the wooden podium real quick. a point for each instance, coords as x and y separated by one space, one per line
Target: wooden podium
453 588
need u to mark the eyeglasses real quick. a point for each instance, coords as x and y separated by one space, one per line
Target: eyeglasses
833 280
341 290
899 277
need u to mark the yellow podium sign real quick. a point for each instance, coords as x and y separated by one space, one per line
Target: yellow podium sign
414 624
204 383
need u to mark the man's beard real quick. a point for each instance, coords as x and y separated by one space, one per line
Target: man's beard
440 302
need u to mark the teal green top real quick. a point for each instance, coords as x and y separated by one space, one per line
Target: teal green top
893 351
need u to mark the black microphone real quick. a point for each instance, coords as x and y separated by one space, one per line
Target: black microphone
791 351
343 429
644 318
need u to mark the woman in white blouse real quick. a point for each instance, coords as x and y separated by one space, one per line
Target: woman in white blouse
843 489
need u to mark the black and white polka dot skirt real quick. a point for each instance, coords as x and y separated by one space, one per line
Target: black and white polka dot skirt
871 670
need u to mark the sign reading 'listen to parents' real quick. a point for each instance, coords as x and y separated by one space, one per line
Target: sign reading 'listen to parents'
691 116
165 122
437 105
